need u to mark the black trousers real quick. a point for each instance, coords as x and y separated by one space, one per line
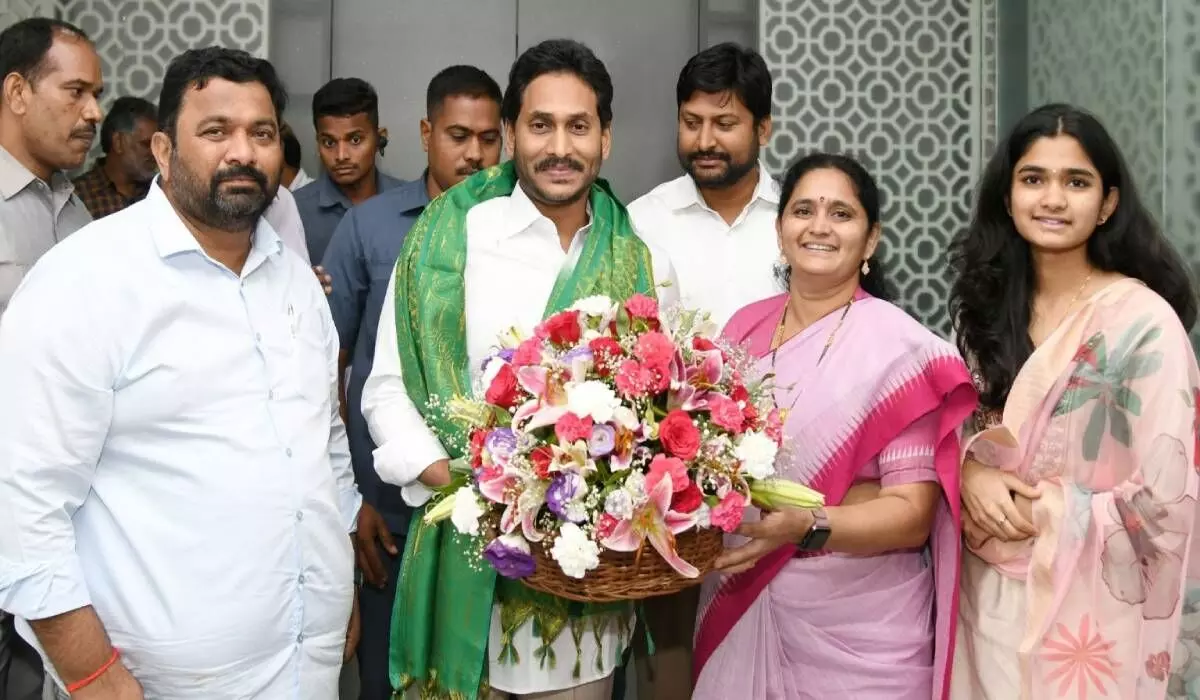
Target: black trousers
375 609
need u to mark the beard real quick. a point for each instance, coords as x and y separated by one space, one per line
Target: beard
526 171
733 173
238 209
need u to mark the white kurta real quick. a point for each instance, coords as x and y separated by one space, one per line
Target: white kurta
514 257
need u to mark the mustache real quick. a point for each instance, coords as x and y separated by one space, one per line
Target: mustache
469 170
238 172
87 132
556 162
708 155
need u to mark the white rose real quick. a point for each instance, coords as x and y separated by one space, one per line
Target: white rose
635 484
598 305
467 511
757 454
574 551
592 398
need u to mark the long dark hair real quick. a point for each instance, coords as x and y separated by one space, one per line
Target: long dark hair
874 282
992 294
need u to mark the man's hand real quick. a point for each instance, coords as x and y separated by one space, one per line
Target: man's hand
371 527
117 683
437 474
353 632
324 278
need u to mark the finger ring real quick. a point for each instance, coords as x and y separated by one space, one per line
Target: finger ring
1002 519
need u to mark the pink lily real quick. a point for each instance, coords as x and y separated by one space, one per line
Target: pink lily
657 523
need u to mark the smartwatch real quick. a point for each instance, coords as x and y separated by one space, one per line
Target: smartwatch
814 540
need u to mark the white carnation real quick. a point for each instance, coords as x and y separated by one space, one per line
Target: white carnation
635 484
757 454
592 398
598 305
467 511
574 551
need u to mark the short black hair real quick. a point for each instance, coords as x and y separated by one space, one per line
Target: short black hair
195 67
123 116
728 67
558 56
24 45
459 81
344 97
292 154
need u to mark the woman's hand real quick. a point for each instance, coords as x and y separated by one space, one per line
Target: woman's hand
988 502
777 528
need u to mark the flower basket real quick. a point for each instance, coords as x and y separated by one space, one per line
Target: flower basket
628 575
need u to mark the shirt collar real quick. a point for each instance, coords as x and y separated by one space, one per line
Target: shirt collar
172 236
523 214
15 177
411 196
684 193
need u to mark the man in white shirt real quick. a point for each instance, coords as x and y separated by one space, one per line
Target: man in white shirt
50 75
717 222
501 249
175 481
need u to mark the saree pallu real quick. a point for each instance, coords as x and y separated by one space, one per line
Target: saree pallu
1103 417
886 403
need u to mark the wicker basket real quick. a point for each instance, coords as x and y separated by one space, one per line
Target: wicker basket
628 575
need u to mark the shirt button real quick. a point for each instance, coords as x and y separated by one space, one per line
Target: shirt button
288 451
300 638
301 579
258 337
271 394
299 515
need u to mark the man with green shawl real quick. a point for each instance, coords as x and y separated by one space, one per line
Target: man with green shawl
504 249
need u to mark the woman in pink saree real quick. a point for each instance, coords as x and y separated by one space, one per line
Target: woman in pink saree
1080 482
855 600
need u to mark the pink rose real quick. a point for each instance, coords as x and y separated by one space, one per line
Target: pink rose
654 349
678 435
663 465
571 427
644 307
529 352
725 413
728 513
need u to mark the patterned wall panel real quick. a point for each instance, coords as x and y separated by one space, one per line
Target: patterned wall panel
1108 58
136 39
12 11
989 73
892 82
1182 113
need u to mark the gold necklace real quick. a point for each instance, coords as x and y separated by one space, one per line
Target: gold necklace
1074 300
778 340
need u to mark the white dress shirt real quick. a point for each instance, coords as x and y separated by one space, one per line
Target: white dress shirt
171 454
284 217
721 267
514 257
302 178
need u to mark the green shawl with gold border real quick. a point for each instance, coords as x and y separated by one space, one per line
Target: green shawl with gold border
442 614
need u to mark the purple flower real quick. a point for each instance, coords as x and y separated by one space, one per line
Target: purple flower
500 444
562 495
509 556
579 352
505 354
602 441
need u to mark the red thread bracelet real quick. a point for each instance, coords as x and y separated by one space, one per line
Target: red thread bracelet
80 685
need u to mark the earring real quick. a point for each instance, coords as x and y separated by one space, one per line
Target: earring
782 261
1103 219
866 268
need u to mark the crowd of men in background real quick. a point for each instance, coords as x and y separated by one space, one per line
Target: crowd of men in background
716 222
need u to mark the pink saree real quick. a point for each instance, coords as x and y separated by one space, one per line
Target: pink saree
1103 417
886 404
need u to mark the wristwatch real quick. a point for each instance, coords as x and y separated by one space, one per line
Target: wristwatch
814 540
